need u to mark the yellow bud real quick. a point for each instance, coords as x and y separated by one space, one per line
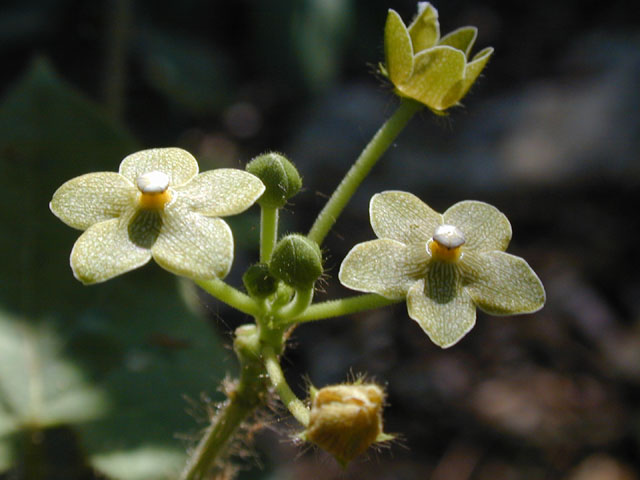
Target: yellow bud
346 419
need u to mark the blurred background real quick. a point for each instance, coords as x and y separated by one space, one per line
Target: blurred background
115 381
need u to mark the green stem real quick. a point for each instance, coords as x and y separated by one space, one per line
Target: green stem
268 232
241 403
344 306
363 165
299 304
279 383
229 295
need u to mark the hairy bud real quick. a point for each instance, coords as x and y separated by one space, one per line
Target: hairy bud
281 179
297 261
258 281
346 419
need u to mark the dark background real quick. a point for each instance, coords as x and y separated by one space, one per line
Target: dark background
549 134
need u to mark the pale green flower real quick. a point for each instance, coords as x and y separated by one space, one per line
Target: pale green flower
444 265
159 207
432 70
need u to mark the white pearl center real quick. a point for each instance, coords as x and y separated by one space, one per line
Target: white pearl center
449 236
153 182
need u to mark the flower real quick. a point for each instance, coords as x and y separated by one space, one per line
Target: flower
156 206
422 66
345 420
444 265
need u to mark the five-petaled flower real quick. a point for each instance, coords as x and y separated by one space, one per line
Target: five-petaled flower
445 265
159 207
422 66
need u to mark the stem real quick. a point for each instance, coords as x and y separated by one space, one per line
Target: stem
279 383
241 403
363 165
344 306
229 295
268 232
300 303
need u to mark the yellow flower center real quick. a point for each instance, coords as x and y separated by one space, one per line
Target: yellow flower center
446 244
154 190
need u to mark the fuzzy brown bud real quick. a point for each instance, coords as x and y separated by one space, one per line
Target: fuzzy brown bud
346 419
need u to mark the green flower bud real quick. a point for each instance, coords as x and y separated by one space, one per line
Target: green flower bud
258 281
345 420
283 295
280 177
297 261
247 342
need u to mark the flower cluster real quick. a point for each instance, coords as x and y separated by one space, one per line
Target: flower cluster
432 70
157 206
444 265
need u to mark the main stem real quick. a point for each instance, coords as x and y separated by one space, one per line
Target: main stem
241 403
379 144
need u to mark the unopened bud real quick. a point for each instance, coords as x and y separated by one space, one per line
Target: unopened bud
297 261
281 179
258 281
247 341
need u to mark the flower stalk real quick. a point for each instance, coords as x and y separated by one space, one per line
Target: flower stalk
343 306
379 144
268 232
227 294
278 381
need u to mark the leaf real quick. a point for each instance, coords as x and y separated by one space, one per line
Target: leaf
114 362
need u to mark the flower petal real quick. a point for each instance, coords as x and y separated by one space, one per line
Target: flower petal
385 267
403 217
397 49
474 68
436 72
462 38
177 163
221 192
192 244
104 251
92 198
502 284
440 305
425 28
485 228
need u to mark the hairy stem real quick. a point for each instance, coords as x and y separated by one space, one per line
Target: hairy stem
344 306
361 168
279 383
268 232
298 305
240 404
229 295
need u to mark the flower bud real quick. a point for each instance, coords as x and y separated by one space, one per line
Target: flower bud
297 261
247 342
281 179
345 420
258 281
